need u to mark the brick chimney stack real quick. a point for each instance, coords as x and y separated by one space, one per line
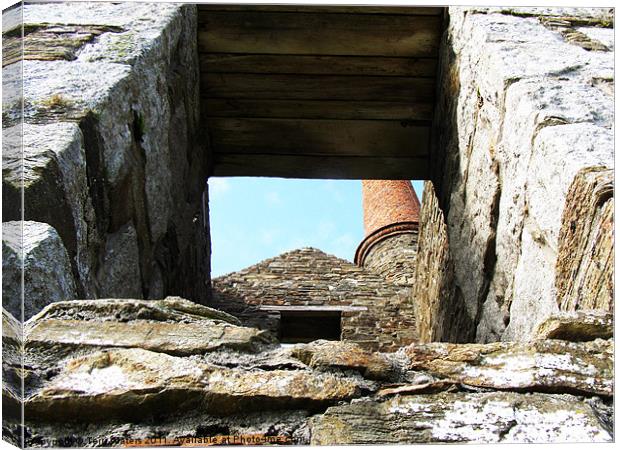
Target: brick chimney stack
391 216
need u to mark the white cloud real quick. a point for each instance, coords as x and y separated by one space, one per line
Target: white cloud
218 187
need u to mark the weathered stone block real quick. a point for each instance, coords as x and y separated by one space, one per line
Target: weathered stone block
38 250
519 115
439 310
134 383
551 365
582 325
324 355
50 161
585 264
111 140
460 418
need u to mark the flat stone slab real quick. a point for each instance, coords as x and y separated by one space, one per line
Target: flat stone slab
459 418
549 366
323 355
584 325
174 325
134 383
172 338
170 309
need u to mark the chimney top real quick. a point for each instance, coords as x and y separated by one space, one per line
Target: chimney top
390 207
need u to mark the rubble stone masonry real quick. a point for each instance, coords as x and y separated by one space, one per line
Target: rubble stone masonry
309 277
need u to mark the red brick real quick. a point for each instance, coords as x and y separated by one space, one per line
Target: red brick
387 202
390 207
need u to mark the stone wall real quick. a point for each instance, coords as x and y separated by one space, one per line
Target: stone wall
46 267
517 224
525 104
439 307
585 264
309 277
394 257
111 144
101 373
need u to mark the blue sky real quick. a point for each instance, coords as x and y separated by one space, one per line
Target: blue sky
257 218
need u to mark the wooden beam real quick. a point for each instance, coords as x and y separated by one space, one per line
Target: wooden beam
317 65
316 109
317 87
304 308
321 167
319 34
407 10
319 137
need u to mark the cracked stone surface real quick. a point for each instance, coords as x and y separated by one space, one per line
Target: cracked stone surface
117 368
524 109
583 325
526 153
37 249
174 326
458 418
110 110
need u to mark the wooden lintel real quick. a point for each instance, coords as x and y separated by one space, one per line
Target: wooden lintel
317 87
317 109
320 137
319 34
312 308
325 9
321 167
317 65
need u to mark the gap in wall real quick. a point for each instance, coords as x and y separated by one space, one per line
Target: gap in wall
255 218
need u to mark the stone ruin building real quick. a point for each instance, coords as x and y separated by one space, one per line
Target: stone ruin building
483 313
305 294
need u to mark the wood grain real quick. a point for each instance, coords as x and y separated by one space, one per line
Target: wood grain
317 87
317 109
321 167
407 10
319 92
319 34
317 65
319 137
